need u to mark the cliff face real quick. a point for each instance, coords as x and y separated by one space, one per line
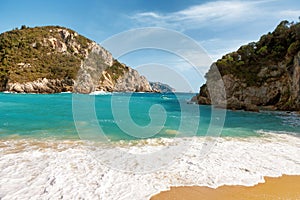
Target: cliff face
265 74
132 81
56 59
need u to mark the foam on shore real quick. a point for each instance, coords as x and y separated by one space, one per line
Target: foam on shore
42 169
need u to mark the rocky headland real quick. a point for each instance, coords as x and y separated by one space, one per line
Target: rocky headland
54 59
260 75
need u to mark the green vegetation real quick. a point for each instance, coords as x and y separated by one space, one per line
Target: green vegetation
115 71
30 53
280 45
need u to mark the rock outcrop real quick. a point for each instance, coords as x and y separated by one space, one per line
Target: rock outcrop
42 86
262 75
133 82
55 59
161 87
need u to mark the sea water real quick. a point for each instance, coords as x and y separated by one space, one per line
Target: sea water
44 151
51 115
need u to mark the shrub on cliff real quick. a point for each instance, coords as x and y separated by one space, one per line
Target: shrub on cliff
41 52
280 45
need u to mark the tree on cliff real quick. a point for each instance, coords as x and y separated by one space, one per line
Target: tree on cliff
263 73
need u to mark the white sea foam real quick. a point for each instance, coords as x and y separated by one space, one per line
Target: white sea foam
8 92
68 92
265 132
54 169
100 93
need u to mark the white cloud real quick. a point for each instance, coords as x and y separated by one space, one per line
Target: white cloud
290 14
235 22
217 47
201 15
222 13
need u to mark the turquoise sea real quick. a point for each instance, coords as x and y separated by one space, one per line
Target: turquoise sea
51 116
54 146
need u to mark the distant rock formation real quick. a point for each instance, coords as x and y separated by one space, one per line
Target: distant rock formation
161 87
261 75
54 59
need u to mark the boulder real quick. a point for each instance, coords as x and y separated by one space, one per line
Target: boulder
251 107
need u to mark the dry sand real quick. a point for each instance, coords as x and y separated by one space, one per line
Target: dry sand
283 188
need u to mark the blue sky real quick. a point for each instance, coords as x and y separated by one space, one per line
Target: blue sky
218 26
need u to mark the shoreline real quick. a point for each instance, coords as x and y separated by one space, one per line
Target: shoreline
283 187
57 167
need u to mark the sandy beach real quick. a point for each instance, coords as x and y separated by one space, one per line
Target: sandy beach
285 187
51 169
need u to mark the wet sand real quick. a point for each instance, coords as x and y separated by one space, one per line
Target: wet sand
285 187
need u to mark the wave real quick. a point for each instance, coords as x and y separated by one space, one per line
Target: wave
100 93
45 169
8 92
69 92
271 133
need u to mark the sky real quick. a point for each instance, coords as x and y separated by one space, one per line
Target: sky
218 27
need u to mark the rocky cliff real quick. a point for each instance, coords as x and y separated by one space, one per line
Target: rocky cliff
161 87
54 59
260 75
